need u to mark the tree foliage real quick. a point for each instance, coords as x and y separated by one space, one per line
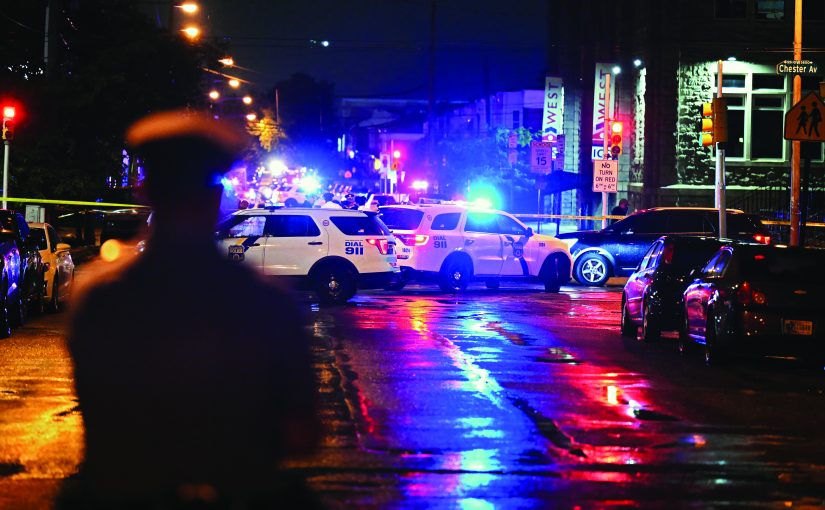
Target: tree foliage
114 67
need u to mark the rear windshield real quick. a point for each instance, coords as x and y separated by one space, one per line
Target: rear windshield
360 225
693 255
743 224
798 266
397 218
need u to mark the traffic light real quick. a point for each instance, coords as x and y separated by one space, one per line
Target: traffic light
8 124
616 129
714 122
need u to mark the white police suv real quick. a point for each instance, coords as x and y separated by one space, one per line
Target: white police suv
331 251
453 243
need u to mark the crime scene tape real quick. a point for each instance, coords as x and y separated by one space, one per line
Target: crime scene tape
73 202
599 218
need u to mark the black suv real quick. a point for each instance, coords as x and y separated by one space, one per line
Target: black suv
617 249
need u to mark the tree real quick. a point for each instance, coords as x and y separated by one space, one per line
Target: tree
266 130
115 67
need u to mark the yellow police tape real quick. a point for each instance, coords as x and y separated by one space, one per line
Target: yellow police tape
531 216
72 202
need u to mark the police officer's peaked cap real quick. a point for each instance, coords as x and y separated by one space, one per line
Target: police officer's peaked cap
184 148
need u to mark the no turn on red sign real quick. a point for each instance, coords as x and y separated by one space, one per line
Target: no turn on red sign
605 176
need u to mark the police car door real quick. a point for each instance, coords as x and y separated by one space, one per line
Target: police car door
293 243
483 243
513 238
240 238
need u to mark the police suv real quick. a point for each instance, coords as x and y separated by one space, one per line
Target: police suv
453 243
331 251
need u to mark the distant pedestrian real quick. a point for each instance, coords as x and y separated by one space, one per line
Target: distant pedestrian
620 210
323 199
182 406
802 121
349 202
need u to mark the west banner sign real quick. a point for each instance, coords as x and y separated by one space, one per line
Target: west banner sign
599 93
553 120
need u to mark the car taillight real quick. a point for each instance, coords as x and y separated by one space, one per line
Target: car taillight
761 238
412 239
748 296
383 245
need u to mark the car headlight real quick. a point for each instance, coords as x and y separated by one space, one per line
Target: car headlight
570 241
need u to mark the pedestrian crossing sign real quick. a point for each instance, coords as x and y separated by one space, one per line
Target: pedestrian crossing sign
804 122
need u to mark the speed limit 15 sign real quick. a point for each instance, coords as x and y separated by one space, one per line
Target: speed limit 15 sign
541 157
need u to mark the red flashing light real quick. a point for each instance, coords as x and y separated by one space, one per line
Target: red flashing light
759 238
412 239
748 296
383 245
9 112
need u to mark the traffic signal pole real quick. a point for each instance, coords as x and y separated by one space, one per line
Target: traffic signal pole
720 170
6 149
796 145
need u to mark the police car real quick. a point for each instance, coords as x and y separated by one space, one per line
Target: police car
453 243
331 251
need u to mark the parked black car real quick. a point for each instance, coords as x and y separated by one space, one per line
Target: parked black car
652 296
751 299
21 286
617 249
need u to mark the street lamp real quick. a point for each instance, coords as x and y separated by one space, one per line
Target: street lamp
189 7
234 83
247 100
192 32
227 61
251 117
214 95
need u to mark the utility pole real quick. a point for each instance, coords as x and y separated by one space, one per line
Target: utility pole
46 40
431 122
607 113
720 170
6 149
796 145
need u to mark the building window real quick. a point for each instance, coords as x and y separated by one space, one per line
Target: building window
770 9
516 119
731 9
532 118
756 116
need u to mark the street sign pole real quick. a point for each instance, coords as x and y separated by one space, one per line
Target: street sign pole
720 170
607 113
795 145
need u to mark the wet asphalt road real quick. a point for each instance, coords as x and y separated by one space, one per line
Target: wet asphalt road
490 399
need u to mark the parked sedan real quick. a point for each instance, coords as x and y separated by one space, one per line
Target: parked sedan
652 296
58 264
751 299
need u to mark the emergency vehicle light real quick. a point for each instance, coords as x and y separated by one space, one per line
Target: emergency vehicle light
383 245
412 239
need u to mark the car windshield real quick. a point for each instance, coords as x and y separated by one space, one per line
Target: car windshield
784 265
397 218
693 255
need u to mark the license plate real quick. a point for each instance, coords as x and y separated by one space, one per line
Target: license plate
793 327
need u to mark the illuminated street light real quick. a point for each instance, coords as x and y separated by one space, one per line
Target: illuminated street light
247 100
325 44
251 117
227 61
234 83
617 69
189 7
214 95
637 63
731 59
192 32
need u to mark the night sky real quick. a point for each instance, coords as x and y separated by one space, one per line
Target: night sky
379 48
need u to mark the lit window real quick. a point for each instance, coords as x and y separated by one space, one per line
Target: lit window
770 9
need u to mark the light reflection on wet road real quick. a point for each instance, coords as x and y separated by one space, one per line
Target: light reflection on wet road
521 399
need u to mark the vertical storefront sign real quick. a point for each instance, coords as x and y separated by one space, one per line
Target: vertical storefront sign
551 126
599 92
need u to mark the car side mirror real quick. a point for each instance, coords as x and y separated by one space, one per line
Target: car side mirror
530 232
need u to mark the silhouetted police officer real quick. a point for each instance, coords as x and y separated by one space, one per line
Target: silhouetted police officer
193 376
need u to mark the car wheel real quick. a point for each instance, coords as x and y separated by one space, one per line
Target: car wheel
334 283
397 283
714 355
5 323
554 272
650 325
291 202
53 306
493 284
593 270
17 309
629 329
455 274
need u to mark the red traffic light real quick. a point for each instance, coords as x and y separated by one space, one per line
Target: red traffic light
9 112
396 154
617 128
